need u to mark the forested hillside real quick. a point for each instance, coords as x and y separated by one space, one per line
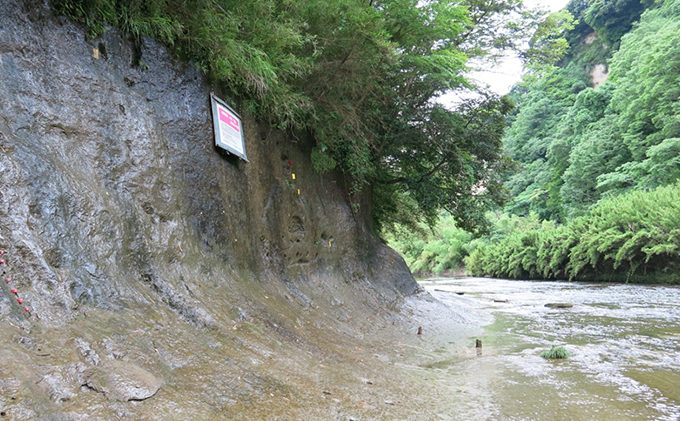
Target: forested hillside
577 144
604 122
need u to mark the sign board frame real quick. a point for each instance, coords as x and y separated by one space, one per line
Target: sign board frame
228 128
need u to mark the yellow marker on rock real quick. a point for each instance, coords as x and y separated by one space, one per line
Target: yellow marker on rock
293 176
95 53
298 191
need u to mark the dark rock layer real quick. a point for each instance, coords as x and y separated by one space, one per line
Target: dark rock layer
111 182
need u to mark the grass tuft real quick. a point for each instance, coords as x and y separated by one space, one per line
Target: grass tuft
556 352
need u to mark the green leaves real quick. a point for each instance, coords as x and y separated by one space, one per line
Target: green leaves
548 45
555 353
633 236
361 77
613 18
447 160
432 251
581 145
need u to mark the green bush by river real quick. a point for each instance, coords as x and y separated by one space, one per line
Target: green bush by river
433 251
632 237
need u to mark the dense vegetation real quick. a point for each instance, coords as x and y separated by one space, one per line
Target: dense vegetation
576 144
634 236
595 190
360 78
441 248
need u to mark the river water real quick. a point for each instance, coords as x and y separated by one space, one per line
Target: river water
624 344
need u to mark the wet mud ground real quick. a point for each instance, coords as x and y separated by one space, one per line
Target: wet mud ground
262 368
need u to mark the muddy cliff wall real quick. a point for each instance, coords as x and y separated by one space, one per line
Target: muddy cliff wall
111 180
118 215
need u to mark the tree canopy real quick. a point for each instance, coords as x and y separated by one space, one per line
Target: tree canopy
577 144
361 77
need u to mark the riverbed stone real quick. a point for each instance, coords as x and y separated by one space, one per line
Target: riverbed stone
57 387
122 381
560 305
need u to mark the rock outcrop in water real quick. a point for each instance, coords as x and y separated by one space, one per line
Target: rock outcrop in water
134 242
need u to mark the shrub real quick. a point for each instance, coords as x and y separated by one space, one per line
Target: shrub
555 353
635 236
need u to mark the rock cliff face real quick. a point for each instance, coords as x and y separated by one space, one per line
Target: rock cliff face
136 244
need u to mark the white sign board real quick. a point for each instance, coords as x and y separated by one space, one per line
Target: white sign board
228 128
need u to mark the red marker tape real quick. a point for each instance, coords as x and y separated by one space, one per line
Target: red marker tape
8 280
25 308
290 163
14 291
20 300
2 261
2 251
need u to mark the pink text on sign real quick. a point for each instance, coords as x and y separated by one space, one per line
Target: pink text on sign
229 120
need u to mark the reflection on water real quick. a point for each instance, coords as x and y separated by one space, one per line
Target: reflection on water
623 339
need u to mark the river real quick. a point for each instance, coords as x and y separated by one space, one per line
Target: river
623 340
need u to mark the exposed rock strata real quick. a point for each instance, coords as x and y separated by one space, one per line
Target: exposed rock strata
132 238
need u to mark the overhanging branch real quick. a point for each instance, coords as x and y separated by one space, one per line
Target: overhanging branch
420 179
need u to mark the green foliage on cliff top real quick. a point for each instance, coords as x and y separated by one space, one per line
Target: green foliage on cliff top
362 78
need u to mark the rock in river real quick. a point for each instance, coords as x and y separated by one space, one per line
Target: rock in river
560 305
